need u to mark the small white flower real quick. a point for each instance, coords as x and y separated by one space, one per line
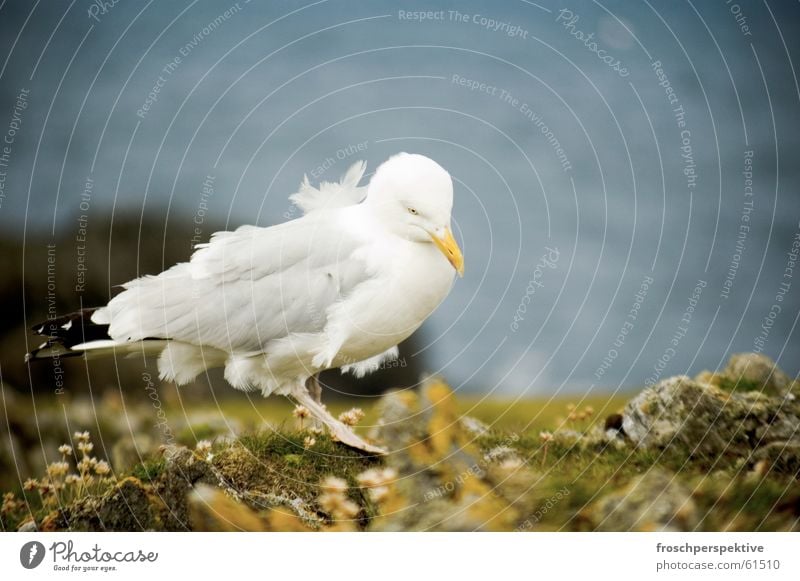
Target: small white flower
377 477
300 412
333 484
379 494
57 469
351 417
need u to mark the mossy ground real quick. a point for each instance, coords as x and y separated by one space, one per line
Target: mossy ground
728 495
559 486
277 463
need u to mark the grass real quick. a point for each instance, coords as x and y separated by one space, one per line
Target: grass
277 463
558 485
528 414
535 414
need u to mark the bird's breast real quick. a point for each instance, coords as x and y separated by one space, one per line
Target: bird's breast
411 280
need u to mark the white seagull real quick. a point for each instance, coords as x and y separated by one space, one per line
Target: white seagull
339 287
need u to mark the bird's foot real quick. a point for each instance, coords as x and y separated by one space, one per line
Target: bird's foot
337 429
348 437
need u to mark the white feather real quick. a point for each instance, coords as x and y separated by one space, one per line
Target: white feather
332 194
362 368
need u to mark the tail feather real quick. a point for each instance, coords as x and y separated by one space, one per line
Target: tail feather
64 332
76 334
73 328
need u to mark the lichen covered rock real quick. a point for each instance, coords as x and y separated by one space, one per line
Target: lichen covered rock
781 457
444 479
707 420
129 506
757 372
655 501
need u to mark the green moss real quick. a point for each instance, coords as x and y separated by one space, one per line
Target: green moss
149 470
272 462
293 460
731 385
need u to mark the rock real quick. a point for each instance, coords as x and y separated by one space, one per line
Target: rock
710 378
614 439
501 454
654 501
613 422
187 466
474 426
705 419
443 477
182 472
781 457
758 372
212 510
238 468
29 526
126 507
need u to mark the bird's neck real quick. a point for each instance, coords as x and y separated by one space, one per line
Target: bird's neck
382 215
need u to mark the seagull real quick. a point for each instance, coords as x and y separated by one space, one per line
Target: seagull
339 287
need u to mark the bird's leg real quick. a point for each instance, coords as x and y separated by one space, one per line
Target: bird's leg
337 429
315 389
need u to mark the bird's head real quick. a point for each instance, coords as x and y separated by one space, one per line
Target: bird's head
413 195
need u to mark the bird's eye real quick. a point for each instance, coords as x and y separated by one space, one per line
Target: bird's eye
413 211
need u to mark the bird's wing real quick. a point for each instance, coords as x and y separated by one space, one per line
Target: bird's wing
332 194
244 288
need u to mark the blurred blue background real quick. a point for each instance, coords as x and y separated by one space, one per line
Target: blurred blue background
554 151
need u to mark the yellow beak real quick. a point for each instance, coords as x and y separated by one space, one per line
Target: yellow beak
449 247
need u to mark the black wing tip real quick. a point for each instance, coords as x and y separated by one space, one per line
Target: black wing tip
66 331
83 316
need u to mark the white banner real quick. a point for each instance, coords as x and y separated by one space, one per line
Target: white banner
388 556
